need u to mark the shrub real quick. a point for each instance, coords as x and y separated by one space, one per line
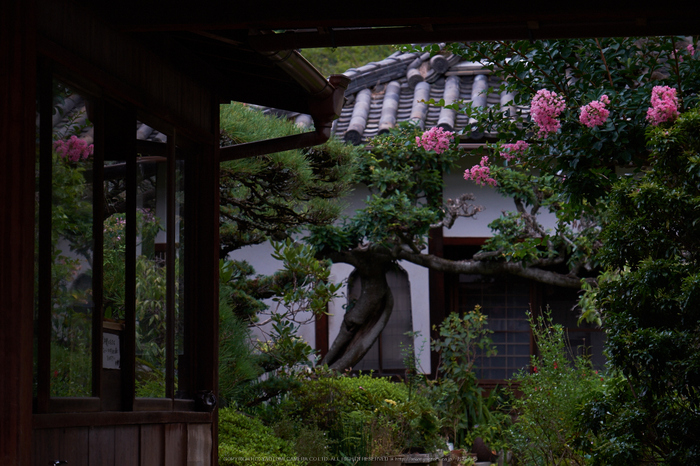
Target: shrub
246 441
547 430
362 415
310 443
455 391
322 399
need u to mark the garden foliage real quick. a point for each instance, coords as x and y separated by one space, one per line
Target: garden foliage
274 195
365 413
650 305
252 371
611 126
553 392
461 404
244 440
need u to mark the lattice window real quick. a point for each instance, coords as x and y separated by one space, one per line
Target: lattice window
505 300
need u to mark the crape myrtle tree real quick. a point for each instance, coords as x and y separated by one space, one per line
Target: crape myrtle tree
575 128
632 161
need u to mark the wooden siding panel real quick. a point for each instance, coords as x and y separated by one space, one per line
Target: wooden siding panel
105 419
126 445
152 445
45 446
199 444
74 446
17 146
61 444
102 446
175 444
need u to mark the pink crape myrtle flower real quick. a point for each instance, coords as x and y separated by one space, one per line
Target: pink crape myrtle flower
595 113
677 53
664 105
545 108
677 56
436 138
74 149
514 151
480 174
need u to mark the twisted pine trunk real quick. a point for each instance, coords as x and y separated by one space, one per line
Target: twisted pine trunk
365 317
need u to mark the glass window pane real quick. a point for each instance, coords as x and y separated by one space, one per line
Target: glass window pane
71 245
179 228
151 278
504 301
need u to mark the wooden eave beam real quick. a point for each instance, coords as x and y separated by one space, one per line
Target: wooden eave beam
568 19
436 33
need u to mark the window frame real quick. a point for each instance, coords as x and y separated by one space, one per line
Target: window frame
102 400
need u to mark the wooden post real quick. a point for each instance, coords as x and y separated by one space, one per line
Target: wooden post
17 152
202 267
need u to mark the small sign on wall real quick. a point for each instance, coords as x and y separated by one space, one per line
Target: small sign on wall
110 351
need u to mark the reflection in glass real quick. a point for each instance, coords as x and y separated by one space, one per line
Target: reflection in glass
151 278
179 276
71 246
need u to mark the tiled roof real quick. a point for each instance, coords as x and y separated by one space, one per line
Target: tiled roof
390 91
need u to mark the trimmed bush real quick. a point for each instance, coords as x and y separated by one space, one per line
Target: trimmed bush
246 441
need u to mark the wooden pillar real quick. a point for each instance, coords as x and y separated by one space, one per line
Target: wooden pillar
17 155
202 267
321 332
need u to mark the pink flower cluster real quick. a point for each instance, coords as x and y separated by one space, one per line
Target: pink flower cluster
436 139
664 105
514 151
480 174
73 149
676 54
545 108
595 113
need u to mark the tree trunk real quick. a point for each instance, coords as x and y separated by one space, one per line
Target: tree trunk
364 318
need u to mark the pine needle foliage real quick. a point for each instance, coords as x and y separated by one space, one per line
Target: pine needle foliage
271 195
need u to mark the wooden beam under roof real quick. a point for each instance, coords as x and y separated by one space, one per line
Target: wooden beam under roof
437 33
453 20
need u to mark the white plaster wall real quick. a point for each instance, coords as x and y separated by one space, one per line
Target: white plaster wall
336 308
492 202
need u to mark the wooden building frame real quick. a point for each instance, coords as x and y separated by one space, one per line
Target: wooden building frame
173 63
